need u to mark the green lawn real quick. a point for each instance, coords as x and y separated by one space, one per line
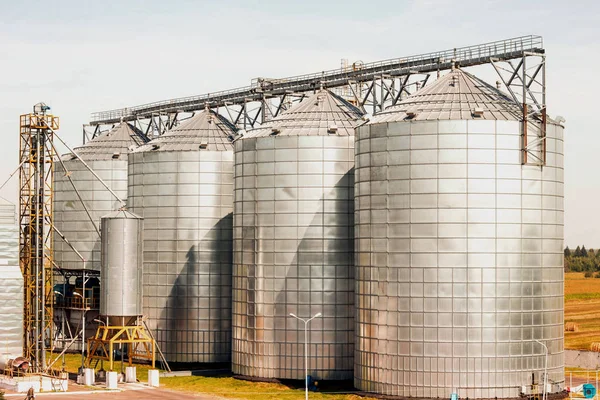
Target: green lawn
232 388
225 386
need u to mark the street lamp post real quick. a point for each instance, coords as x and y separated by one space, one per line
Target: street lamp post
545 369
306 321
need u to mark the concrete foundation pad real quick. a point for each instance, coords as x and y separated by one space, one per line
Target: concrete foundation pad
130 375
112 378
153 379
39 383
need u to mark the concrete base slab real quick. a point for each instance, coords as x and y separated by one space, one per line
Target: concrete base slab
39 383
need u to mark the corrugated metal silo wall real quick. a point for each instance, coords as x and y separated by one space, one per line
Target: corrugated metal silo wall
121 256
70 217
186 200
459 259
11 287
293 240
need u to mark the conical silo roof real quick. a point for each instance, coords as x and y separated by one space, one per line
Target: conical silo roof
457 95
119 140
205 130
121 214
314 116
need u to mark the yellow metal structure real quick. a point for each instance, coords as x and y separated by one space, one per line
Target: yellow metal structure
138 341
35 219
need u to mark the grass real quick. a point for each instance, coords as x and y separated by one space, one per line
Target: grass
582 306
225 386
231 388
73 362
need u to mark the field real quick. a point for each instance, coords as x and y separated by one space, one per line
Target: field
582 306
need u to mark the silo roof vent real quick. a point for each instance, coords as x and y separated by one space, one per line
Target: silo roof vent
332 128
478 112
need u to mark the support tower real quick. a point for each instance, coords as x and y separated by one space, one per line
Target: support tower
35 219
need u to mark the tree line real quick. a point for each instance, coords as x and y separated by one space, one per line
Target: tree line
582 260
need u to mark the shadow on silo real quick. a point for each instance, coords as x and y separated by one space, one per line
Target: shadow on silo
198 308
310 253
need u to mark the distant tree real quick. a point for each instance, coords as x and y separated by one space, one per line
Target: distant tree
567 252
577 252
592 252
574 264
584 251
589 264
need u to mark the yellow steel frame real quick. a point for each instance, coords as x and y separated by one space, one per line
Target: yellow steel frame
139 344
35 220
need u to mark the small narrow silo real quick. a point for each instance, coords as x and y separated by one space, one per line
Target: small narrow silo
293 235
182 184
106 155
458 247
11 286
121 259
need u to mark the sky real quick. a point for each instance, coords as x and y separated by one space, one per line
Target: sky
82 56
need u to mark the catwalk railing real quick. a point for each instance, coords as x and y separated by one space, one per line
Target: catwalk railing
361 82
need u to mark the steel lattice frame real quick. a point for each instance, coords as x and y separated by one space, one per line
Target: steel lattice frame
526 84
370 86
35 219
138 339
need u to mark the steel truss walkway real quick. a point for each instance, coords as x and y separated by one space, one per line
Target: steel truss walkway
372 86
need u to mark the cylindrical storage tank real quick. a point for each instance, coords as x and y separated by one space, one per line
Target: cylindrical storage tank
459 247
106 155
182 184
121 260
11 286
293 242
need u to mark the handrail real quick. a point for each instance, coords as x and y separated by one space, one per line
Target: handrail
466 56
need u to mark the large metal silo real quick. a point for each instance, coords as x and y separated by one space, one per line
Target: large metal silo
107 157
293 241
121 259
458 247
11 286
182 184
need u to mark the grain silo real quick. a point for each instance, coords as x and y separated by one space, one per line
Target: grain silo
182 185
458 247
293 241
11 286
106 155
121 258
